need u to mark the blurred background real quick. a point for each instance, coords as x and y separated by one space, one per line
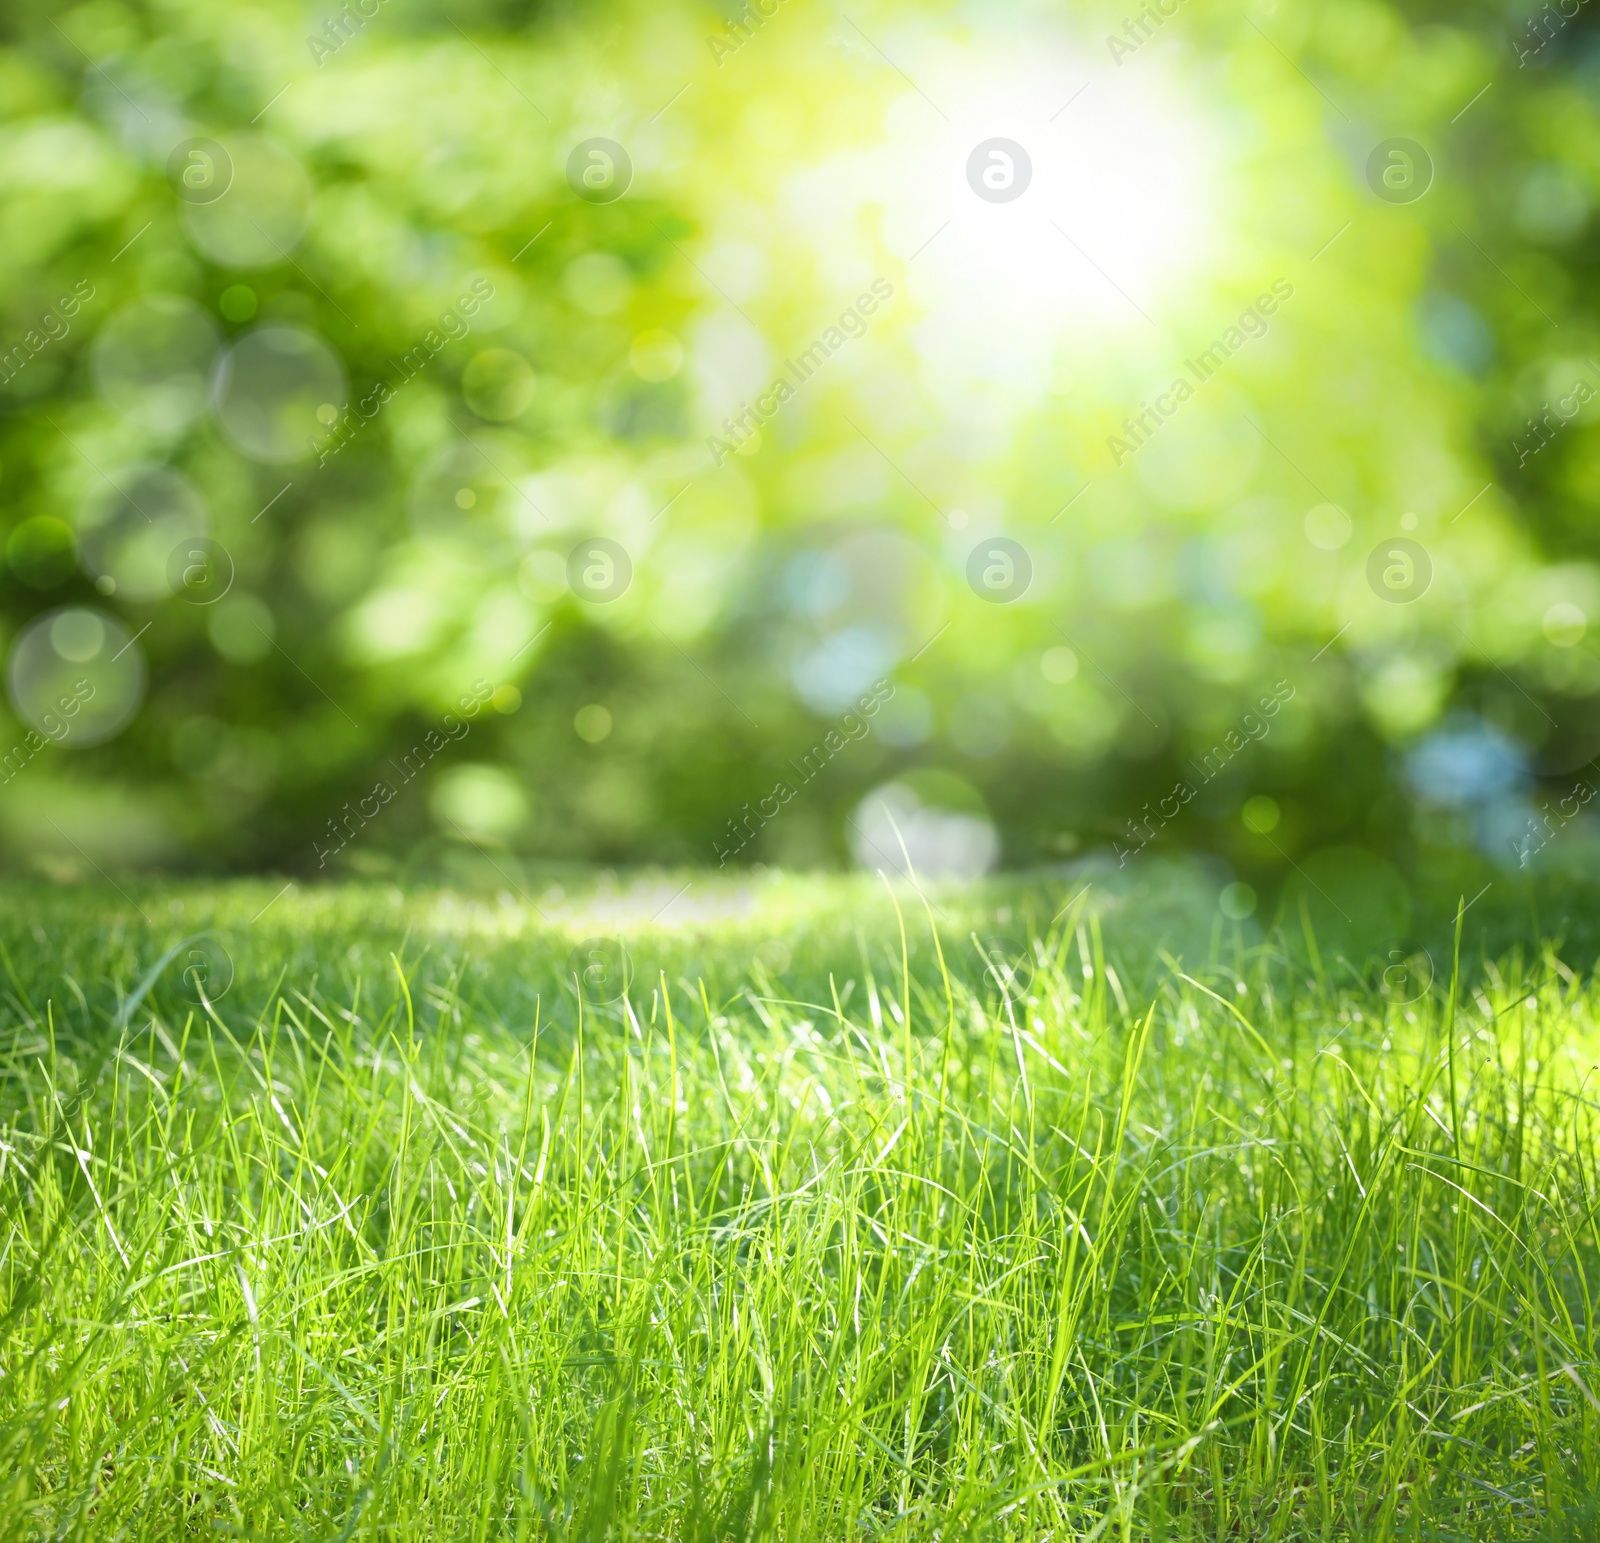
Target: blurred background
677 434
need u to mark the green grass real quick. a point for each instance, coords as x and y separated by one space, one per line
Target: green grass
818 1234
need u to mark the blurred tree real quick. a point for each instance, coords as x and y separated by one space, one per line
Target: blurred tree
333 344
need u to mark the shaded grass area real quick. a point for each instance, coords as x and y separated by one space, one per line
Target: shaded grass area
396 1219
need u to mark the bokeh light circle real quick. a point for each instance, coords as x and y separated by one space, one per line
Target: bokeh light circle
929 823
264 212
498 384
76 675
153 360
268 391
1237 901
656 355
466 492
858 607
130 523
1327 526
1564 624
773 955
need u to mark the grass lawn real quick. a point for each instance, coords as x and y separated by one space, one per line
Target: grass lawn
384 1216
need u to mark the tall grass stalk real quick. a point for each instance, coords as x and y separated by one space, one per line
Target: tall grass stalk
1257 1255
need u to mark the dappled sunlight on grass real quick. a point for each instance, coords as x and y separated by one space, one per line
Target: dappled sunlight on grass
397 1232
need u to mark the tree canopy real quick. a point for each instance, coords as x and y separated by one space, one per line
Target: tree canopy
550 428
